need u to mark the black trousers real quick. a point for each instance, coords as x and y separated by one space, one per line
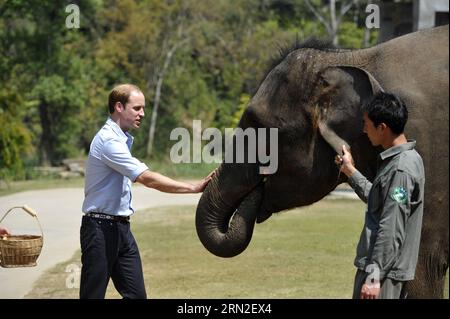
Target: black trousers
109 250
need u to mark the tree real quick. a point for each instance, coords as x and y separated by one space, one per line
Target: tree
15 138
192 59
329 17
48 66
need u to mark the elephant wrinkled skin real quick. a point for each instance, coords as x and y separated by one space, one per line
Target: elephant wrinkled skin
313 96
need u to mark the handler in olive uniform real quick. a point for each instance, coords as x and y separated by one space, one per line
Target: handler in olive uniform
388 248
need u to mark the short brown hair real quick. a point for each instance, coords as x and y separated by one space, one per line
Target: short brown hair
121 93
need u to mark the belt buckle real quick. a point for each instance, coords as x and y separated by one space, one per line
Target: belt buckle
98 215
108 217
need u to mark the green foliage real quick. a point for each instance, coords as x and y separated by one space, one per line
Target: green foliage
352 37
188 96
58 102
15 139
243 102
221 51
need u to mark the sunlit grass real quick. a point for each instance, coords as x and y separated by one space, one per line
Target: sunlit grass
303 253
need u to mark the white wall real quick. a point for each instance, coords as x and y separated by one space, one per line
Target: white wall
425 12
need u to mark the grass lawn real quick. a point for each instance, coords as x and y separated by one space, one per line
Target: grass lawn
303 253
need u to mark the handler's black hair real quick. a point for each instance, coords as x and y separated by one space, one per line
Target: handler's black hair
389 109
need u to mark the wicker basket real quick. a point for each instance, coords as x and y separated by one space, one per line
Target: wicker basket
21 250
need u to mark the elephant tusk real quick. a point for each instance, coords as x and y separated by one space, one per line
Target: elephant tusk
332 138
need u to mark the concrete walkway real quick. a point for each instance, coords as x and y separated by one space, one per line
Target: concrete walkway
59 212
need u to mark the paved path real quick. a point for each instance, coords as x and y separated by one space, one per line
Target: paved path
59 211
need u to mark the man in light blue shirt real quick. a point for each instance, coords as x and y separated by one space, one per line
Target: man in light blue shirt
109 171
108 248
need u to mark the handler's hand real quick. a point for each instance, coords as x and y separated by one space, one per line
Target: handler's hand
200 186
370 291
346 162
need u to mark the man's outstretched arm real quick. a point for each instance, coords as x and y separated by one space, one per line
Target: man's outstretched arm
167 185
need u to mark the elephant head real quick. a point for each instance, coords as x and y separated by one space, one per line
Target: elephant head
313 97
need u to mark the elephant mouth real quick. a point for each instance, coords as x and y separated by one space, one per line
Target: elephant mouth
263 213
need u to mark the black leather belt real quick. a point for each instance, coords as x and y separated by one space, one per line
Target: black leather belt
108 217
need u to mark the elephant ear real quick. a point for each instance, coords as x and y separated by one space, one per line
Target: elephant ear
344 85
376 86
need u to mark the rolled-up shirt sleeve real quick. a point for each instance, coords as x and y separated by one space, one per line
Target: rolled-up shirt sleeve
361 185
117 156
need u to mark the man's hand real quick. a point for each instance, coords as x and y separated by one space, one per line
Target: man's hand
370 291
200 186
345 162
168 185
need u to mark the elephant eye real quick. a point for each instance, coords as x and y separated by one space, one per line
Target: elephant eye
323 82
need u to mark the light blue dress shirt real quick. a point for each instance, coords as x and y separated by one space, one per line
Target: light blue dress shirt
110 169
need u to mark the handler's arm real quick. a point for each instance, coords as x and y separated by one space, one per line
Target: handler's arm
360 184
168 185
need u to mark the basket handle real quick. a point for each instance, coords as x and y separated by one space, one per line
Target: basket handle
30 211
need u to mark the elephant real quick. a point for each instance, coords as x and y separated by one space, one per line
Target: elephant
314 96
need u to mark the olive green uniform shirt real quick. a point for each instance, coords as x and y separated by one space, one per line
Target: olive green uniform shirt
390 239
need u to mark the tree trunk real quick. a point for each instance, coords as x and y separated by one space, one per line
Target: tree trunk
151 132
366 39
45 140
333 23
159 83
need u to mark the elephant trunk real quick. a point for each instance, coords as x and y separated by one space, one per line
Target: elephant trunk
227 210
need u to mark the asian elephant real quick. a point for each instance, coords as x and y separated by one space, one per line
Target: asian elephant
314 95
